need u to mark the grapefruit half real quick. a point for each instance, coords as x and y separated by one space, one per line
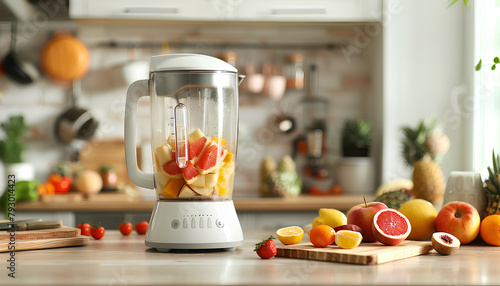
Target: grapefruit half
390 227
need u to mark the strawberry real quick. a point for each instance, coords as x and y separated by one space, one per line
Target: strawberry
266 249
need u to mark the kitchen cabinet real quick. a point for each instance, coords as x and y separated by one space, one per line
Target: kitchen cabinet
211 10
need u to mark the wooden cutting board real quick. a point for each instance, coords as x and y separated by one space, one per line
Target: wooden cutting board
366 253
44 243
61 232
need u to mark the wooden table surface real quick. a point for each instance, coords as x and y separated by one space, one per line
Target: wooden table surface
108 203
119 260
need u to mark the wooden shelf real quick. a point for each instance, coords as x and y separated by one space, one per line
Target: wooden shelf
257 204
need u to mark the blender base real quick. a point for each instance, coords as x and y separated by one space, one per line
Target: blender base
194 225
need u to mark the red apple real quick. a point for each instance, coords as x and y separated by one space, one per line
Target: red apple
459 219
362 216
352 227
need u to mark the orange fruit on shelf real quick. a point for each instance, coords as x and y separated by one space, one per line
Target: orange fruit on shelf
290 235
490 229
348 238
322 235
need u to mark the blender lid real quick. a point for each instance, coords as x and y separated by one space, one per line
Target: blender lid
184 62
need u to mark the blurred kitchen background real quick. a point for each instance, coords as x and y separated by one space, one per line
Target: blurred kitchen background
390 63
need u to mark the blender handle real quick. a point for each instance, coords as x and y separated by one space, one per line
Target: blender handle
142 179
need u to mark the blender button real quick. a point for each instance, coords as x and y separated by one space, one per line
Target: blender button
202 225
185 223
176 223
219 223
193 223
209 223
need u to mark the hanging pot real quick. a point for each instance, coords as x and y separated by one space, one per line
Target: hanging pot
75 124
22 72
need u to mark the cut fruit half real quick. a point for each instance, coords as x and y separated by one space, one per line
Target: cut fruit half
190 174
290 235
348 238
445 243
171 170
390 227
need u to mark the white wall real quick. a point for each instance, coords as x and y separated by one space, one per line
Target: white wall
424 63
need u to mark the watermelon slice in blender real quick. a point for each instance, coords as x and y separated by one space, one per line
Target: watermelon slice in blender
171 170
190 174
211 158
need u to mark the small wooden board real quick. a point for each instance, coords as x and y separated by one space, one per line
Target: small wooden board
43 243
61 232
365 254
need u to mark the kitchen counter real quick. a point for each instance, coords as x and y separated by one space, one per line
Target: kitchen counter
119 260
121 203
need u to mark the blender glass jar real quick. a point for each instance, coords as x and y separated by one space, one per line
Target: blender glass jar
194 116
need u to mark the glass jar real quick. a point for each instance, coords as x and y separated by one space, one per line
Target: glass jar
294 71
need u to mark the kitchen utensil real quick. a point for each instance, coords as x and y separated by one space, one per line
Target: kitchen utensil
65 57
275 84
59 232
194 121
366 254
466 187
294 71
22 72
44 243
31 224
254 82
75 123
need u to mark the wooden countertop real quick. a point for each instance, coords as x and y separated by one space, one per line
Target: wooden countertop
301 203
119 260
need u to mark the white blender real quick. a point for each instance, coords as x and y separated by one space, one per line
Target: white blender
194 133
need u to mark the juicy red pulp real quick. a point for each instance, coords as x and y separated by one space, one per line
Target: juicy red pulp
392 224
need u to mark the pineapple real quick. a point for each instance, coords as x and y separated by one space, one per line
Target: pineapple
394 199
492 187
421 148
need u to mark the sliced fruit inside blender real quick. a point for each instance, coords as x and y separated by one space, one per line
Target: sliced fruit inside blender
210 170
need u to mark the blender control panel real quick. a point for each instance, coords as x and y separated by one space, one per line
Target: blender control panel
197 221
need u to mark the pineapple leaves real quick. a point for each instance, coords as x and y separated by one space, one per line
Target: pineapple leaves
415 141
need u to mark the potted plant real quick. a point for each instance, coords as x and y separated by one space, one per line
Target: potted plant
12 148
356 138
356 170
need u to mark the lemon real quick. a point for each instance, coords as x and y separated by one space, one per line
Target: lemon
422 216
331 217
290 235
348 238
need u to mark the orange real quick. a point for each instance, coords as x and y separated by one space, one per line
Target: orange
173 188
322 235
490 229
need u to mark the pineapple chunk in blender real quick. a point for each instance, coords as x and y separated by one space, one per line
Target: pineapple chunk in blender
164 154
173 188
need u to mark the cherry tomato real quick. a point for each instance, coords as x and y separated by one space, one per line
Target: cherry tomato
98 232
125 228
141 227
82 224
86 229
